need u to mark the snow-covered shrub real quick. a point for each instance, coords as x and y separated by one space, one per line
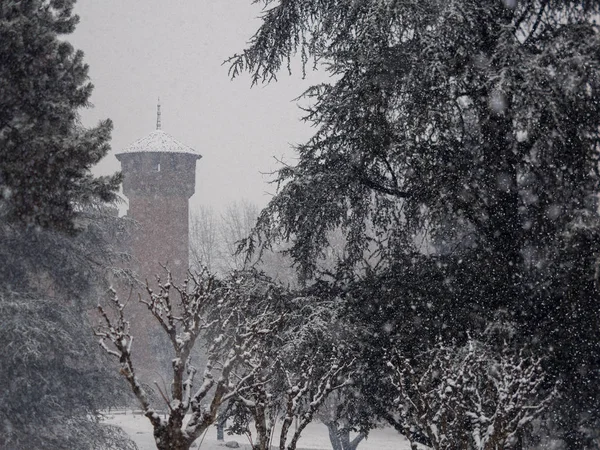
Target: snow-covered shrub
468 397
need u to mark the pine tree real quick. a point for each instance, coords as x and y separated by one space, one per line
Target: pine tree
467 111
54 228
45 154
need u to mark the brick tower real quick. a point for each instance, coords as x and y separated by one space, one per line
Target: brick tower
159 178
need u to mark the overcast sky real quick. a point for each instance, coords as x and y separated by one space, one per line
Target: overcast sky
139 50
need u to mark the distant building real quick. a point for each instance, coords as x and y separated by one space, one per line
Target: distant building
159 178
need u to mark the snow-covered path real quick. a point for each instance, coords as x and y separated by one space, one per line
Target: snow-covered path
314 436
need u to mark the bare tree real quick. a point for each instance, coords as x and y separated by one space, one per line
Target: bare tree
214 241
306 362
291 393
307 390
214 237
205 309
469 397
237 222
204 239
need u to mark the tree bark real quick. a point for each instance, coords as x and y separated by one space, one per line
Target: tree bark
262 431
333 436
353 444
168 438
340 439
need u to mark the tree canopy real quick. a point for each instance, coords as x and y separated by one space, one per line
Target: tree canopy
484 114
45 153
58 236
456 147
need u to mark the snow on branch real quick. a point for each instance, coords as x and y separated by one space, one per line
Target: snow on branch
117 332
468 397
235 318
292 373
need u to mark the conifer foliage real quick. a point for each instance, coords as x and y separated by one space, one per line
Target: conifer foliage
472 126
45 154
481 114
54 227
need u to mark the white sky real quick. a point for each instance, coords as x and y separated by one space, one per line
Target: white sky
139 50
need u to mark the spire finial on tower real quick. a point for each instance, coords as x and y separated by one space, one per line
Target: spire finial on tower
158 115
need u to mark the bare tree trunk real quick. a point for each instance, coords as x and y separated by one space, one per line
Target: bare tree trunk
221 423
168 438
293 444
285 426
353 444
334 438
340 438
262 431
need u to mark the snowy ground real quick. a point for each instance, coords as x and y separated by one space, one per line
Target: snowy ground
314 436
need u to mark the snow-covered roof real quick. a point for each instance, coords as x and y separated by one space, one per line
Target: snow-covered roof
159 141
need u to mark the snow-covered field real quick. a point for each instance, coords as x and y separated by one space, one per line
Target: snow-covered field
314 436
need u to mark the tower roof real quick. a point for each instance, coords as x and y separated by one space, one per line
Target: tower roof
159 141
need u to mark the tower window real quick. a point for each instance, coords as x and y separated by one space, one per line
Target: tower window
158 167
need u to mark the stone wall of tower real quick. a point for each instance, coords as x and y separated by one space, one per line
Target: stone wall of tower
162 174
158 186
161 235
